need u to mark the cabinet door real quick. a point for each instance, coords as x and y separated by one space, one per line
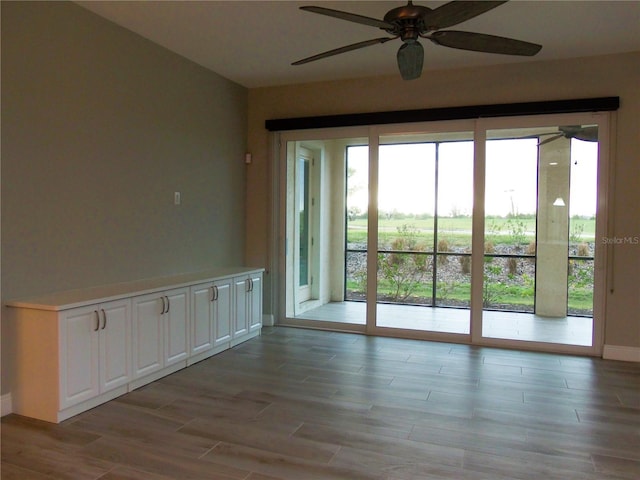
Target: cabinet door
115 357
147 337
255 298
241 315
79 377
202 326
176 326
222 312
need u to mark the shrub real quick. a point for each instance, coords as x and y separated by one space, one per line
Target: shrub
512 265
531 248
576 232
491 285
583 250
489 247
443 246
404 272
517 231
465 264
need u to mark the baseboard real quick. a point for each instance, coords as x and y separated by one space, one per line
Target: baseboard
6 407
624 354
268 320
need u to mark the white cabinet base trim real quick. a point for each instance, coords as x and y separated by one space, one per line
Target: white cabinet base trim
89 404
238 341
157 375
209 353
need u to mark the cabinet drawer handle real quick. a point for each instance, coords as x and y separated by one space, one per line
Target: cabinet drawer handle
104 319
168 304
164 306
214 293
97 321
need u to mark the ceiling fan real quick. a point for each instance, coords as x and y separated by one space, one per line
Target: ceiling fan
411 22
586 133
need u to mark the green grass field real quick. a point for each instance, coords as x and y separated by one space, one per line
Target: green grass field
457 231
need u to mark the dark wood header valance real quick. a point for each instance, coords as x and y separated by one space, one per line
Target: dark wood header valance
602 104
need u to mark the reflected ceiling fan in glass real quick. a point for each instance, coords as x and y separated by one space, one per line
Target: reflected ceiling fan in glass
585 133
411 22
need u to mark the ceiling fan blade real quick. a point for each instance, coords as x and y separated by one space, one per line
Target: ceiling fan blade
590 134
586 134
551 139
344 49
351 17
410 58
480 42
456 12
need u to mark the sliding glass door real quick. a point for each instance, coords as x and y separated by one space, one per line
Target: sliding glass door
425 202
541 187
480 231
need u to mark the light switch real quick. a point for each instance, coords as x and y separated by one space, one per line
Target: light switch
176 198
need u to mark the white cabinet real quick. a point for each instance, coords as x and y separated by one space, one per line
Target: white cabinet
80 348
147 335
222 312
94 346
202 325
176 326
160 331
240 322
70 360
248 306
255 303
211 318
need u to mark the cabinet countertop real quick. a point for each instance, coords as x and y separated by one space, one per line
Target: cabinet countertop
81 297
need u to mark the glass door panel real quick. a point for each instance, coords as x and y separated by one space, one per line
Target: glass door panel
455 208
425 188
357 204
510 224
540 209
324 223
304 218
582 214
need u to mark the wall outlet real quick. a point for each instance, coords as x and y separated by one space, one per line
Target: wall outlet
176 198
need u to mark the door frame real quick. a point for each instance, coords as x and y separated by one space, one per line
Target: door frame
479 127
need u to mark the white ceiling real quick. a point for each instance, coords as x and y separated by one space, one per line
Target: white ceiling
254 42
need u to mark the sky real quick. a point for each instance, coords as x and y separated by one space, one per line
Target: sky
407 177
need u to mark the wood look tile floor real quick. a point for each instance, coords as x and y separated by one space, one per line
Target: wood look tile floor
305 404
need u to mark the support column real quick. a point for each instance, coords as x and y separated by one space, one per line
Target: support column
553 228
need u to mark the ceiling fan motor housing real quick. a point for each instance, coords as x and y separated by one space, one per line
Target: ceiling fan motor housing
408 21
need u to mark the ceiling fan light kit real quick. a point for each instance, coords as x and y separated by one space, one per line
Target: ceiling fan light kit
411 22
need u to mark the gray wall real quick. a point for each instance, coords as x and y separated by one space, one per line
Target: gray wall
99 128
